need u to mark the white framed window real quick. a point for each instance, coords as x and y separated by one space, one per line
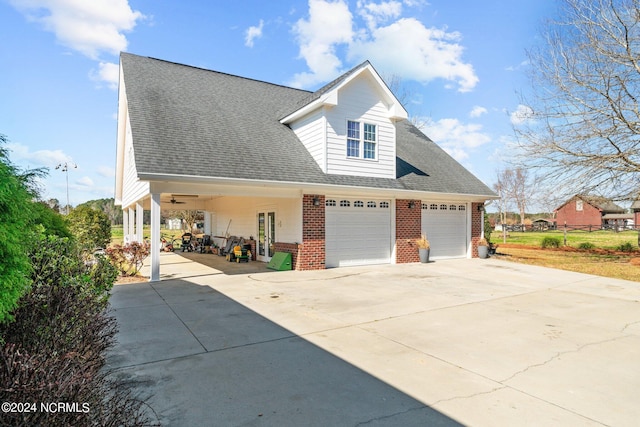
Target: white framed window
362 140
579 205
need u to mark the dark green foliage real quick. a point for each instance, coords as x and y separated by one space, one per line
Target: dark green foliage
58 260
16 215
626 247
54 224
91 227
551 242
586 246
487 227
107 206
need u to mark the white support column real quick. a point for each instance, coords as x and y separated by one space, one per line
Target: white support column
139 222
125 226
132 225
207 223
155 237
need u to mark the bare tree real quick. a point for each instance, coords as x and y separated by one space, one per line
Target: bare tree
189 218
581 125
516 185
505 201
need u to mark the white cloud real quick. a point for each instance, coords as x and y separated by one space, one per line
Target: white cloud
329 24
376 13
108 72
408 48
522 114
48 158
89 27
456 138
106 171
85 181
401 46
253 33
518 67
477 111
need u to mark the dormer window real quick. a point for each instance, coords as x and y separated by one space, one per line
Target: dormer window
361 140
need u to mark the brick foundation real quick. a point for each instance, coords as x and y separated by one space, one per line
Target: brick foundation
312 251
408 229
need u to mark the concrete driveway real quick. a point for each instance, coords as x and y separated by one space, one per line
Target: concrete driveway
475 342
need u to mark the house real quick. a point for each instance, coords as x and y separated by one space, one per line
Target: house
591 211
635 209
335 177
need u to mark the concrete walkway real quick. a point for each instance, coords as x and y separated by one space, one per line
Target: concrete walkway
476 342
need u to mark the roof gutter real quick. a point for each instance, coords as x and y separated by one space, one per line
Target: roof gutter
309 187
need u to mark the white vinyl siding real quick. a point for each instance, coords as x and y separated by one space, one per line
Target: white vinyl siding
359 101
133 189
445 225
358 231
310 130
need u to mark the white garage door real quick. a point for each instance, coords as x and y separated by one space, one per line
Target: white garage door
445 224
358 231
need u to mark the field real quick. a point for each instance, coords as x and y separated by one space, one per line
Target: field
603 260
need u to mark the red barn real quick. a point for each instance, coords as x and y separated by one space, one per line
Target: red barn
586 211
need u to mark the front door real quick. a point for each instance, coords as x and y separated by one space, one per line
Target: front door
266 235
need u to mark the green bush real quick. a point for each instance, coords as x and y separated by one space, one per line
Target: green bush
90 227
585 246
626 247
54 350
551 242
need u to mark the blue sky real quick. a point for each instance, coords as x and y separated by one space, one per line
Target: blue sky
462 64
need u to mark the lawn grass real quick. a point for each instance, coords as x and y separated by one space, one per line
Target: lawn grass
604 260
117 233
604 239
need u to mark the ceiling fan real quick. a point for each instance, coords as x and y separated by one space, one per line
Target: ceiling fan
177 202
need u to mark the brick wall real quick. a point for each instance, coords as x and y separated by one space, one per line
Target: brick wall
312 251
477 217
589 215
408 229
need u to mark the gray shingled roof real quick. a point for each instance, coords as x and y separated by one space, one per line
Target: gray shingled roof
196 122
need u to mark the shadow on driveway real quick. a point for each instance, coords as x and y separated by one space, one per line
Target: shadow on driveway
200 358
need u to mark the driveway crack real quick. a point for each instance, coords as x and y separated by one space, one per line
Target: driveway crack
469 396
557 356
628 325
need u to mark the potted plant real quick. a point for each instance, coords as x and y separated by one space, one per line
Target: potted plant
423 248
483 248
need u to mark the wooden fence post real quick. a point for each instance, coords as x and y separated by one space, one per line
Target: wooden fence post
565 233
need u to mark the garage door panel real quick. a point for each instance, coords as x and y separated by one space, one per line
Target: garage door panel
357 235
445 225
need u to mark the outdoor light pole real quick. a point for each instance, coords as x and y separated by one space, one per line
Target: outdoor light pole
64 167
